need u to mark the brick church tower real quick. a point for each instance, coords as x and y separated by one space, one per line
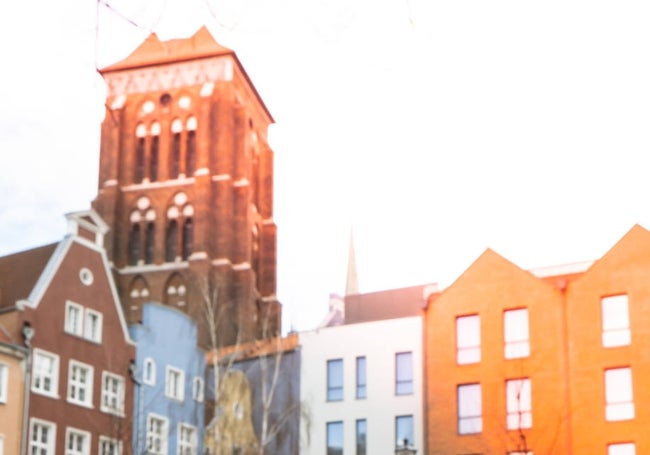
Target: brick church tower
186 184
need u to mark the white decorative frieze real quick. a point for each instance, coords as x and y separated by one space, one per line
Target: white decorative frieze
170 76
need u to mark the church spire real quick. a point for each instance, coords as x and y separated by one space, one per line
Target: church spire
352 282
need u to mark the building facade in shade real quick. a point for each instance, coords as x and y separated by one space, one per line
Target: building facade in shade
550 361
78 377
361 379
186 185
13 363
168 411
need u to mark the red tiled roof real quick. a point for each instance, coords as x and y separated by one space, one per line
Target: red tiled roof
20 271
153 51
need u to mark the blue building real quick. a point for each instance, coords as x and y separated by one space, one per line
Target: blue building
169 395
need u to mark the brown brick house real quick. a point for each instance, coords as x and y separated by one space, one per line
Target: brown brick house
79 389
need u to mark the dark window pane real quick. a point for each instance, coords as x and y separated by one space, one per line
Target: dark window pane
139 161
153 160
361 377
171 241
361 436
335 380
134 244
334 438
149 244
174 167
187 238
190 157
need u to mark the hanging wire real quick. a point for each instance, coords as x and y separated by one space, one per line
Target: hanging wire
230 28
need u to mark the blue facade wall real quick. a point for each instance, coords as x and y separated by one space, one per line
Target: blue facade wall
168 338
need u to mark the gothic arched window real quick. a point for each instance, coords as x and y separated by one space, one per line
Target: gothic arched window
175 291
153 162
149 243
171 239
187 238
140 132
175 155
190 149
134 244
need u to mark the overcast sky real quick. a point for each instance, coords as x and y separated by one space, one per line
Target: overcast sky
436 128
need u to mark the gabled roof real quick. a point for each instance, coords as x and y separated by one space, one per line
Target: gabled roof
153 51
19 273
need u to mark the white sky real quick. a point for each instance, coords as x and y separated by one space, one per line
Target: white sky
436 128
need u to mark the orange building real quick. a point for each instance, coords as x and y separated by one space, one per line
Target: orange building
551 361
12 393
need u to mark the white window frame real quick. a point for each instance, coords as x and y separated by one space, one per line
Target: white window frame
2 444
109 396
615 313
468 339
93 331
619 394
35 440
111 442
519 408
516 333
174 388
185 447
197 389
39 375
74 326
621 448
149 379
85 438
470 408
4 383
404 380
161 436
75 385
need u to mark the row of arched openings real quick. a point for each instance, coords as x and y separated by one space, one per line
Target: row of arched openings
181 156
178 231
175 291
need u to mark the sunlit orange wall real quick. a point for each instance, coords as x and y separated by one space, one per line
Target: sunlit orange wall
625 269
11 412
488 287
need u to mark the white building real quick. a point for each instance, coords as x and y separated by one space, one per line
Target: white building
362 385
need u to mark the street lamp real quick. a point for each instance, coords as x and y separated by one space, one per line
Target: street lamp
405 448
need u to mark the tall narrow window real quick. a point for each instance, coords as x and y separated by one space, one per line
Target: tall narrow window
468 339
4 380
519 404
112 393
618 394
45 373
190 157
335 438
134 244
470 418
627 448
188 233
149 371
362 433
187 439
404 432
153 158
616 321
80 383
335 380
403 373
171 241
157 435
175 158
73 318
515 324
139 160
149 243
361 377
175 383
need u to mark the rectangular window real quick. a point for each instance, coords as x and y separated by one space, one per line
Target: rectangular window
73 318
618 394
335 380
42 436
156 435
197 389
112 393
187 440
470 418
80 383
93 326
77 442
626 448
45 373
4 382
515 324
334 438
519 404
149 371
404 432
403 373
109 446
174 383
361 377
362 436
468 339
616 321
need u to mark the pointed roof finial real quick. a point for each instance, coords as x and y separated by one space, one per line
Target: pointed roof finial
352 282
